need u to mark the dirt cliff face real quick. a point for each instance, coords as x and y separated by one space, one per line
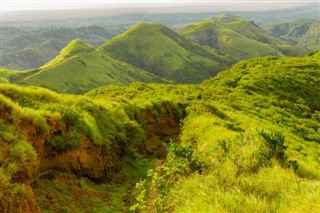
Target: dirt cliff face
90 160
161 128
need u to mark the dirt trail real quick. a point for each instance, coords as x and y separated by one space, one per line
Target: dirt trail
153 193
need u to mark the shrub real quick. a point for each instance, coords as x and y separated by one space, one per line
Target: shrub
67 140
23 152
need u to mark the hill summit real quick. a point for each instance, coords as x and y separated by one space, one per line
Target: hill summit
237 37
158 49
74 47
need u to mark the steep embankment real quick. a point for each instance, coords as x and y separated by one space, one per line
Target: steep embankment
42 133
237 37
159 50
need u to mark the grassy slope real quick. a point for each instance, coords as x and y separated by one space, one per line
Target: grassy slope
79 68
259 95
237 37
157 49
222 164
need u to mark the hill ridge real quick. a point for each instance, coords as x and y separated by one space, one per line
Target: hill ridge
237 37
159 50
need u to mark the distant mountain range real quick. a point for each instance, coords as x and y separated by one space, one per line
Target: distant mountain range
151 52
30 44
304 32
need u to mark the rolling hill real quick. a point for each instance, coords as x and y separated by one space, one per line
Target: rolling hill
157 49
304 32
237 37
154 53
79 67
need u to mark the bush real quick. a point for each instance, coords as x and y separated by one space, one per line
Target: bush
23 152
67 140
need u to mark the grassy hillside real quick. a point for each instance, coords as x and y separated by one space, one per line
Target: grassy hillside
157 49
246 140
237 37
304 32
250 137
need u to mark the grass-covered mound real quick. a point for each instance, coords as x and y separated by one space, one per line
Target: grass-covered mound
157 49
249 141
237 37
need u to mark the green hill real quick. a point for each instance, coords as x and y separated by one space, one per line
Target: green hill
237 37
79 67
157 49
245 140
304 32
74 47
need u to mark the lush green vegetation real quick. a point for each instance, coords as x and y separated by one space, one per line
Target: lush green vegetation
249 141
251 137
237 37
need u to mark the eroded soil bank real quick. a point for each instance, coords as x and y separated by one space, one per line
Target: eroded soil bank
85 179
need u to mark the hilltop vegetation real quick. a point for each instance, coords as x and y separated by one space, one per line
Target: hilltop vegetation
248 136
237 37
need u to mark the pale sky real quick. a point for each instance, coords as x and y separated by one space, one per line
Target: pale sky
227 5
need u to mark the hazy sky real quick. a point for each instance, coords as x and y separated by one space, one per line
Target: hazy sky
235 5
